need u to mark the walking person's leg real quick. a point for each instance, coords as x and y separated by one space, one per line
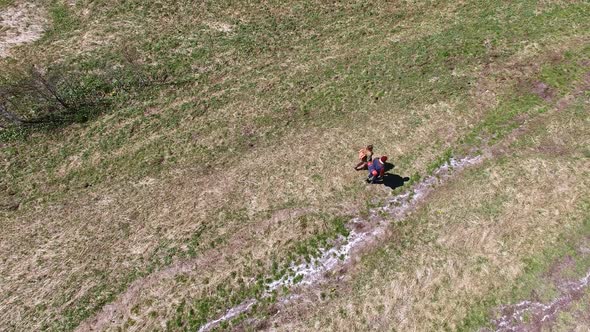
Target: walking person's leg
361 165
372 173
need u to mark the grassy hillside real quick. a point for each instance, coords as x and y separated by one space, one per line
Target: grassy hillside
222 144
514 229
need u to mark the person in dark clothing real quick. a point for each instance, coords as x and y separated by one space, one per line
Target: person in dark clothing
376 169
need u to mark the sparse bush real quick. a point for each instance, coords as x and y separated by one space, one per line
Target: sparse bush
54 97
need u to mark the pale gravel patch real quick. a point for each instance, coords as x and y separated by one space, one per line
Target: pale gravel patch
20 24
220 26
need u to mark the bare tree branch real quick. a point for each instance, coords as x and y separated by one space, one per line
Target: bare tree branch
47 86
9 115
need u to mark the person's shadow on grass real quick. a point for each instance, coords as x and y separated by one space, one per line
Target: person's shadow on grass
392 180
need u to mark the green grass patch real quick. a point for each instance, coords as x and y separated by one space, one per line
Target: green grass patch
6 3
62 18
559 76
281 69
531 281
232 292
443 159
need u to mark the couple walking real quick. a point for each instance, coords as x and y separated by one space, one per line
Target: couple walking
376 167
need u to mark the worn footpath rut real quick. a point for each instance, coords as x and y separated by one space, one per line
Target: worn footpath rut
538 313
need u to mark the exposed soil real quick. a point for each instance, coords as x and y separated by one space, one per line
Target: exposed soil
543 90
559 105
21 24
535 315
532 315
555 272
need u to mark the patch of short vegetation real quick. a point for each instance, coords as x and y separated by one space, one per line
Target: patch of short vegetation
208 100
533 282
62 18
6 3
249 284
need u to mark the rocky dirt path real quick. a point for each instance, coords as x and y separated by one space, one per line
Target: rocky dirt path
20 24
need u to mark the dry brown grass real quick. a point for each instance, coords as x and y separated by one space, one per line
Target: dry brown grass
135 219
55 253
471 240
